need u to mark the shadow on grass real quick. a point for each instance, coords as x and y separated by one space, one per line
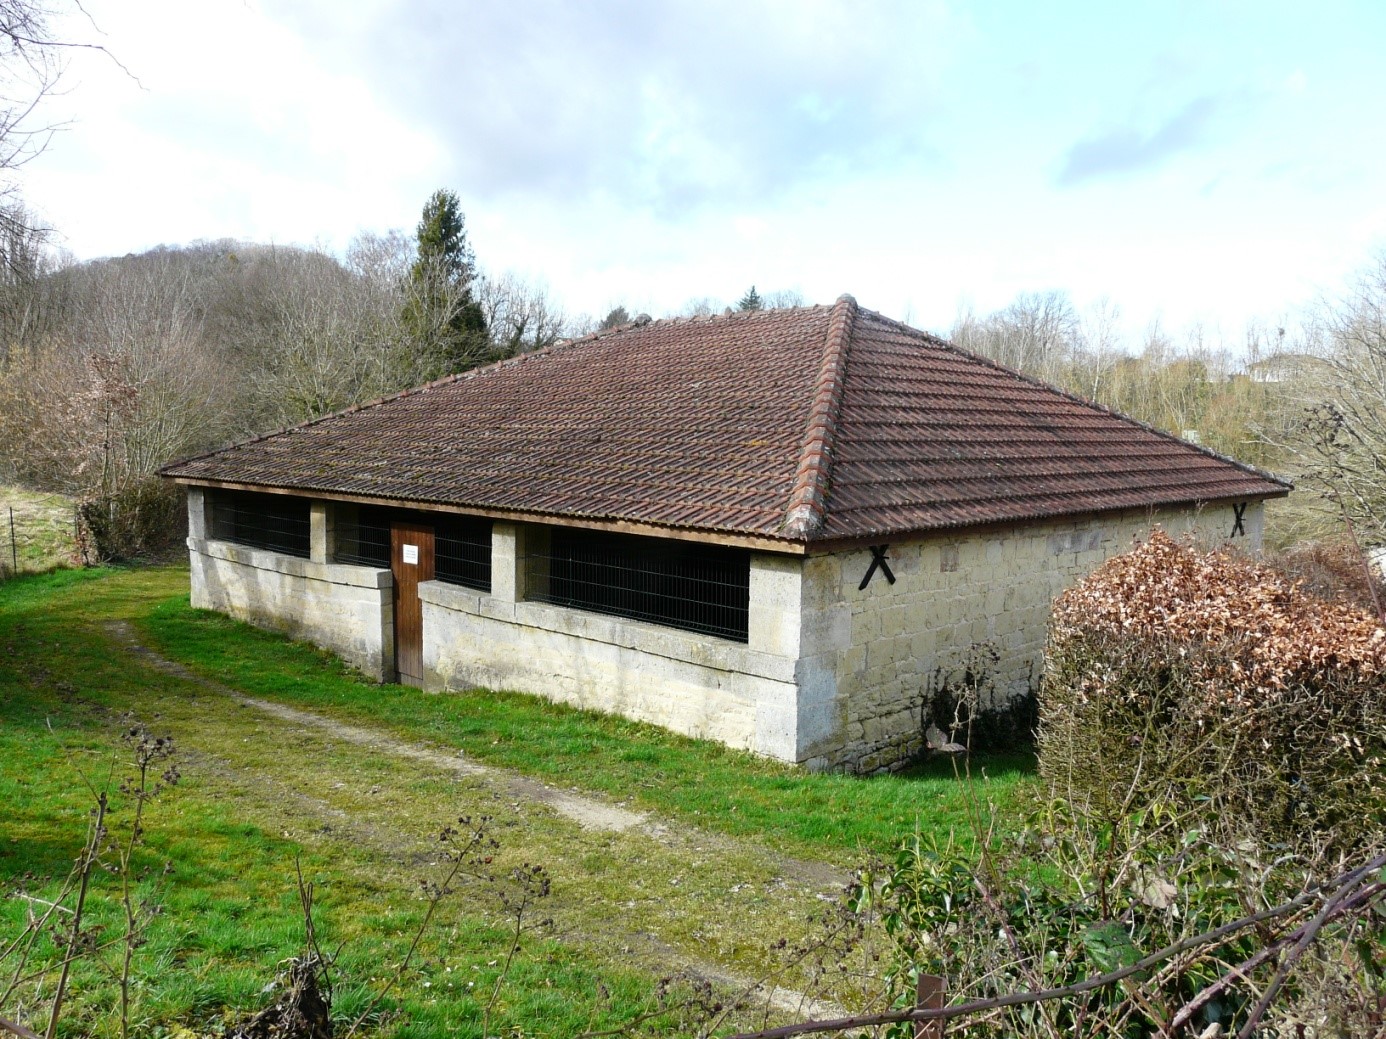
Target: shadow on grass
999 764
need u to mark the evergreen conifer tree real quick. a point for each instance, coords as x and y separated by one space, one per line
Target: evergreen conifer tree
750 301
616 317
441 315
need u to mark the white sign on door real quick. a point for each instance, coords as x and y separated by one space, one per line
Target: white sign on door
411 554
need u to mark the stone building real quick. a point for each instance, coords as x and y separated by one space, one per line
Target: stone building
782 529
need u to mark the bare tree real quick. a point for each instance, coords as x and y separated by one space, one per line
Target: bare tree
333 340
519 314
31 65
120 386
29 70
1038 333
1341 440
782 298
700 306
1100 333
29 298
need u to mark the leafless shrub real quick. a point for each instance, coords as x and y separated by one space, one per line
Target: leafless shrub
1333 570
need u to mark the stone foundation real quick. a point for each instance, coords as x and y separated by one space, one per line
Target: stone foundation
345 609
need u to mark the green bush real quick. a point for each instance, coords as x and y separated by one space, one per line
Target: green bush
1178 676
1057 898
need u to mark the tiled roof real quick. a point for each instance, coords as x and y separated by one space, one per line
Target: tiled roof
811 424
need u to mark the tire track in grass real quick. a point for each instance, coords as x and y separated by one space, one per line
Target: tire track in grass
595 816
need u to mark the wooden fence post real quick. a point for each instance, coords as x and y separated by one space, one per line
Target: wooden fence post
930 991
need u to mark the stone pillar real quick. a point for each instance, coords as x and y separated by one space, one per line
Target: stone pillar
197 514
776 604
507 561
773 627
322 533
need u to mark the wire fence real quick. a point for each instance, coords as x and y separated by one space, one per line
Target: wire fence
37 532
462 552
461 544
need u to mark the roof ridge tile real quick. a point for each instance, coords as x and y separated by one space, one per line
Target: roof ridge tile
808 498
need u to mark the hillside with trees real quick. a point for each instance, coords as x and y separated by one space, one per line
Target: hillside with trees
112 367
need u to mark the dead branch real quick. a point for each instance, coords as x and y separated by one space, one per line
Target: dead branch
1335 894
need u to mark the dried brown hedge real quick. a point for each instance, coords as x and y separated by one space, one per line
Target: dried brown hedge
1179 675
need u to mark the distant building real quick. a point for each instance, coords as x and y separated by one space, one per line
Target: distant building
1283 367
780 529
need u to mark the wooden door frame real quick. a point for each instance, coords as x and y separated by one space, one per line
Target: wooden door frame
406 577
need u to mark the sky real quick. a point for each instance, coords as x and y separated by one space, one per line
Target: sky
1214 162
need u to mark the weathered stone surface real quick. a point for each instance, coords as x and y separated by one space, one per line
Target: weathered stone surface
690 683
832 675
956 601
347 609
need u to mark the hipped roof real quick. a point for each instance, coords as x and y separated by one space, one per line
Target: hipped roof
803 425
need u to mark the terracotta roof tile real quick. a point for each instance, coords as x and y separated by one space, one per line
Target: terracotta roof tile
806 424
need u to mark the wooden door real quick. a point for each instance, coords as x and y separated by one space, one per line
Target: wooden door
411 561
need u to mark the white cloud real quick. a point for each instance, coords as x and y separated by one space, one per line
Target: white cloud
233 128
645 153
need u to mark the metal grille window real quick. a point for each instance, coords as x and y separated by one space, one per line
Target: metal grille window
275 522
363 535
696 587
461 544
462 551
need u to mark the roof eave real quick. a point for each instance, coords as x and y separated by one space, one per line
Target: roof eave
850 541
754 541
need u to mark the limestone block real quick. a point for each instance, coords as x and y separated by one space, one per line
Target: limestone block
507 562
776 723
949 558
776 604
339 607
905 564
197 514
826 629
322 536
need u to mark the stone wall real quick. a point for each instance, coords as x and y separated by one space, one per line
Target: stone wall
978 601
832 676
345 609
693 684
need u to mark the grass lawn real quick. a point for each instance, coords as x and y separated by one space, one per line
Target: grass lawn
835 817
41 537
229 832
224 880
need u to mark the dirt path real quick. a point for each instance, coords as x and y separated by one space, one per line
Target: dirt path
638 887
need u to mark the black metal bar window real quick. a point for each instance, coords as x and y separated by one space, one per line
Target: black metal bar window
462 551
363 536
695 587
277 522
